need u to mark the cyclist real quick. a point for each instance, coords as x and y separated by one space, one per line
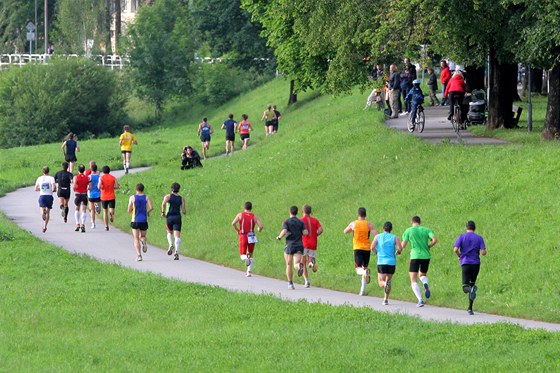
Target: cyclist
416 98
455 91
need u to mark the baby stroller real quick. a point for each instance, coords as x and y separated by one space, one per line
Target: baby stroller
477 107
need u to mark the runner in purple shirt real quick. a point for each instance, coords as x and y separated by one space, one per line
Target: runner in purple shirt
468 248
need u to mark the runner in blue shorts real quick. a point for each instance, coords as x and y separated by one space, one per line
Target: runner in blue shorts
204 132
46 186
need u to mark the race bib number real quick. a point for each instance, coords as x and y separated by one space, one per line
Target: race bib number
252 237
45 187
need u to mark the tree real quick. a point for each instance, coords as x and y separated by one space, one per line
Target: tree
161 49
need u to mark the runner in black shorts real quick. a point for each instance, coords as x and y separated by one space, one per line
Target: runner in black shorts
63 178
171 208
230 126
69 149
294 230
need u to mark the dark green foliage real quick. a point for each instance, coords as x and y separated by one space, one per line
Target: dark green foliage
42 103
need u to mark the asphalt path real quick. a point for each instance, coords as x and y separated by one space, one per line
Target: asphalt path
115 246
438 129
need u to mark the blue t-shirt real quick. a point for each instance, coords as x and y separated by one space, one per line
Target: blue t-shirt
71 147
94 192
386 249
469 245
230 125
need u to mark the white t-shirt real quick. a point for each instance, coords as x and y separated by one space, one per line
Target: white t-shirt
45 184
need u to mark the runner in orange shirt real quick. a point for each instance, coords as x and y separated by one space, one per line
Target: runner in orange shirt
107 185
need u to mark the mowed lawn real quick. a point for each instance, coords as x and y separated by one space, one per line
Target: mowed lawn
335 156
66 313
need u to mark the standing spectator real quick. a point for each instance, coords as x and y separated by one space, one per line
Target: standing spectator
394 91
276 119
244 128
268 116
314 230
244 223
69 149
432 86
46 186
205 131
294 230
411 69
361 245
406 85
468 248
140 206
444 77
421 240
126 140
171 208
230 125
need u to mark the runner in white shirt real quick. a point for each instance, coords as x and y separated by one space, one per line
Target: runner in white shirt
46 185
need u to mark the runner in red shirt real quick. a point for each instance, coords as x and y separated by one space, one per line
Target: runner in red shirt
107 185
310 242
80 182
244 128
244 223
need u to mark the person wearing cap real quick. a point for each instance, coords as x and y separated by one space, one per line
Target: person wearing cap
421 239
387 246
468 248
415 97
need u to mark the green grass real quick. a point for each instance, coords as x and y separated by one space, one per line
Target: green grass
335 156
68 313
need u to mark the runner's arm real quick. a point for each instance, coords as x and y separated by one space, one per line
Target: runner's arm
305 232
259 224
282 234
198 131
457 252
74 182
77 147
117 186
235 221
163 203
349 228
372 228
319 230
130 204
183 207
433 241
63 149
150 206
398 245
374 245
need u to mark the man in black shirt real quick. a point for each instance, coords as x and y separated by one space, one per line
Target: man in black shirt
230 125
63 178
293 229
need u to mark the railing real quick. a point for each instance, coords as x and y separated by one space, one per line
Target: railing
112 61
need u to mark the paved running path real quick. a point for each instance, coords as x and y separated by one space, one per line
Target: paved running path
439 129
116 246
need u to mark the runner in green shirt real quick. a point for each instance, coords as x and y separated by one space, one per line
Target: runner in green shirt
421 240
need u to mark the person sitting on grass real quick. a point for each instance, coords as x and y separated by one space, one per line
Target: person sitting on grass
415 97
190 158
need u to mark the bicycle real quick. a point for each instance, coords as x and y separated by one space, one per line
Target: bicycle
456 118
419 121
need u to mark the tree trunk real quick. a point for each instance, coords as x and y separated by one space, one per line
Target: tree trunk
474 78
536 80
108 23
551 129
503 90
293 95
118 24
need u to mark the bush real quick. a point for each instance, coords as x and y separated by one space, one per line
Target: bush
42 103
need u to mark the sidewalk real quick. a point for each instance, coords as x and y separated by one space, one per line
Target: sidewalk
116 246
438 129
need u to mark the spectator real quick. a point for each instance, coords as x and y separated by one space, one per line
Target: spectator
444 77
394 91
190 158
432 85
406 85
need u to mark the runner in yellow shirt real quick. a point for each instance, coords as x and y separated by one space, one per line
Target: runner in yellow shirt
125 141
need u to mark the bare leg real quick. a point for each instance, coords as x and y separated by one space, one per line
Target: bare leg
289 260
136 238
304 261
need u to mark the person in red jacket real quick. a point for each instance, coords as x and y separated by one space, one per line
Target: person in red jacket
444 77
455 92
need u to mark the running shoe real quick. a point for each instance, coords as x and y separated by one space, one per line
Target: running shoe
176 257
307 284
291 286
170 250
385 302
65 219
314 264
83 229
97 208
248 274
44 229
368 277
144 246
472 294
111 218
300 270
387 288
62 212
77 228
470 312
427 291
44 214
139 258
92 225
126 170
420 304
106 227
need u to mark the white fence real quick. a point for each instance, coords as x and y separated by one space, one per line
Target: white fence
111 61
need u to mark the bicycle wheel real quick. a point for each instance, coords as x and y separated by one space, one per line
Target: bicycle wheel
455 118
420 119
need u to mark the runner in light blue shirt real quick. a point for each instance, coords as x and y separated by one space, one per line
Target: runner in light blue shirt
387 246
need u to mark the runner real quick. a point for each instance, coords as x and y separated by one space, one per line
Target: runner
69 149
205 131
244 128
126 140
46 185
140 206
230 125
468 248
294 230
88 171
361 245
421 240
171 208
268 116
81 182
314 230
107 185
94 194
63 178
244 223
276 119
386 245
